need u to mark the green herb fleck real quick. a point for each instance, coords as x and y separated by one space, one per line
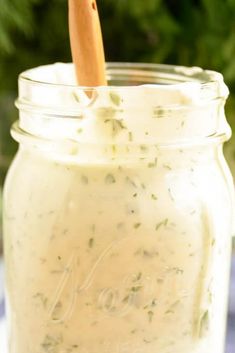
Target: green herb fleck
43 299
137 225
143 148
146 341
136 288
170 194
154 197
115 98
75 97
120 225
51 344
158 112
79 131
126 298
177 270
56 311
84 179
106 112
166 166
114 148
131 182
116 125
134 195
153 164
172 307
150 315
147 253
162 224
209 296
91 242
203 323
109 179
74 150
71 348
138 277
130 136
152 304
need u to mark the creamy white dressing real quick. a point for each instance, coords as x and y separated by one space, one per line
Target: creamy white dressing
115 243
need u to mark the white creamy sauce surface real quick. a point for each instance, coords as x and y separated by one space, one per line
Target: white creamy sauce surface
108 253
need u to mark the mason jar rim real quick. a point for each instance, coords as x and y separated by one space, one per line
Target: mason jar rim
132 77
182 74
189 99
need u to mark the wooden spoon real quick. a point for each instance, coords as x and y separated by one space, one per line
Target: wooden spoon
86 43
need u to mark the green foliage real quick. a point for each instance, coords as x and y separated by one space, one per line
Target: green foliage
13 15
186 32
32 32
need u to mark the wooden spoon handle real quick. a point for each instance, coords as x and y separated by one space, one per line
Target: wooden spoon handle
86 43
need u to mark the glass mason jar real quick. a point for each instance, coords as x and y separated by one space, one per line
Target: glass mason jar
118 213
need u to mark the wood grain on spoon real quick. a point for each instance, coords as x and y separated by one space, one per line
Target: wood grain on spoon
86 43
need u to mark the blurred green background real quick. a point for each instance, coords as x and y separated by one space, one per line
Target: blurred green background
185 32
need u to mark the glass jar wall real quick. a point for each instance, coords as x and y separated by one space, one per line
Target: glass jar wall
118 213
